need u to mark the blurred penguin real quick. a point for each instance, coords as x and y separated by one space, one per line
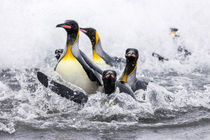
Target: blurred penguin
181 49
182 52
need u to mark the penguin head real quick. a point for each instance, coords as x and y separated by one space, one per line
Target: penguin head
173 30
70 26
92 34
58 53
109 78
72 29
131 55
109 75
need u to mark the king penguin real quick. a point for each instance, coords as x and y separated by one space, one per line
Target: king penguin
100 57
129 73
72 66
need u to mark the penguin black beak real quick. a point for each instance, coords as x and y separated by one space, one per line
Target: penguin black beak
64 26
83 30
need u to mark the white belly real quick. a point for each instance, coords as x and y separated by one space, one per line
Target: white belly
73 72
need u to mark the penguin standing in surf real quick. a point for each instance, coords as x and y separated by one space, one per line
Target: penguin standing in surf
72 65
129 73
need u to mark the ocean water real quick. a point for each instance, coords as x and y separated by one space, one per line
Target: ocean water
176 104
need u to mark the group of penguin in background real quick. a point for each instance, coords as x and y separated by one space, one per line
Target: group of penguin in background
182 51
97 74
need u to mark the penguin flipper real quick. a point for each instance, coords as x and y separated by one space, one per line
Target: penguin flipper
124 87
93 75
62 90
90 63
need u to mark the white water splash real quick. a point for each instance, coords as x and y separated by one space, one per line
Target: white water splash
28 39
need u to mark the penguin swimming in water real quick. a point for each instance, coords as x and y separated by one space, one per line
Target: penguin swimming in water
109 80
160 58
100 57
129 73
73 65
